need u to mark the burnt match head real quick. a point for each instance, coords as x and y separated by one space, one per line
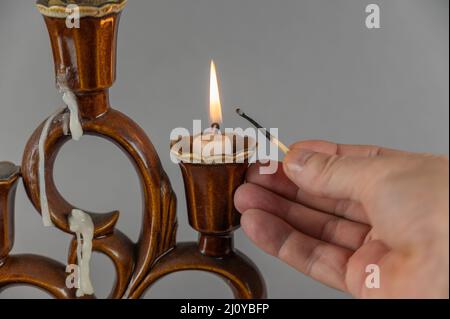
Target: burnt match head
239 111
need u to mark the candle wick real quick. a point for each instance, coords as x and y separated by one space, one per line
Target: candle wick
215 126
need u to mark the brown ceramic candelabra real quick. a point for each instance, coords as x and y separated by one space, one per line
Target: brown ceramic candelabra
85 59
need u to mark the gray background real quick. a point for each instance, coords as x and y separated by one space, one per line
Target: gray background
310 68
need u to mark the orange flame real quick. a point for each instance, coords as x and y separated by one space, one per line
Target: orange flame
215 108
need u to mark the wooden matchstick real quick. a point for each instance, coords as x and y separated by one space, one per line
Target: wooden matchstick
269 136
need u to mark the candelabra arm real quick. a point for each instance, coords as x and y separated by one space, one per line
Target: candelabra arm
37 271
159 202
40 272
238 271
120 249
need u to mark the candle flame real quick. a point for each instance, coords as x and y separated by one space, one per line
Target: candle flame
215 108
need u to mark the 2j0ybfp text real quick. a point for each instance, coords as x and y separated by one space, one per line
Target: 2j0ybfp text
235 309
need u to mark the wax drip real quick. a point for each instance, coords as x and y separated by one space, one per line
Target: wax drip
42 187
81 224
76 131
65 120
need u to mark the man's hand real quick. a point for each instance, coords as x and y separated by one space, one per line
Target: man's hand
331 210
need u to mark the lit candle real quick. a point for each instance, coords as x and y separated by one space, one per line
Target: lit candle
213 146
215 106
212 142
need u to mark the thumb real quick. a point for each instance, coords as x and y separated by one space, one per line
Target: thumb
333 176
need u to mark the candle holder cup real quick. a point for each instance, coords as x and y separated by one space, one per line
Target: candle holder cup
9 177
210 182
210 185
209 191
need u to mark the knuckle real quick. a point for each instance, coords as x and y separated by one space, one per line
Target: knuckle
375 151
342 207
329 229
284 250
368 237
313 258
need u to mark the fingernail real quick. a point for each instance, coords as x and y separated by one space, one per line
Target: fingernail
297 159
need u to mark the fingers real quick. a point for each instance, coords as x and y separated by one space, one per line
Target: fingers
280 184
368 259
345 208
345 149
316 224
334 176
352 159
315 258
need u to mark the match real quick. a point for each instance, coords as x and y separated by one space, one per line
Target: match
269 136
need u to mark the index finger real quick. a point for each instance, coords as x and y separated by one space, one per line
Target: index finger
347 149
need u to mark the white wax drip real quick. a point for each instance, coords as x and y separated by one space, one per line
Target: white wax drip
42 187
81 224
76 129
66 125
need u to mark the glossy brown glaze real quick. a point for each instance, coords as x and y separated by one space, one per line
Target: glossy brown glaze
9 176
32 270
85 57
209 191
238 272
120 249
159 220
37 271
85 65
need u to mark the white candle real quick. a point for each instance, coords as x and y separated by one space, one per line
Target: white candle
212 143
81 224
213 147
